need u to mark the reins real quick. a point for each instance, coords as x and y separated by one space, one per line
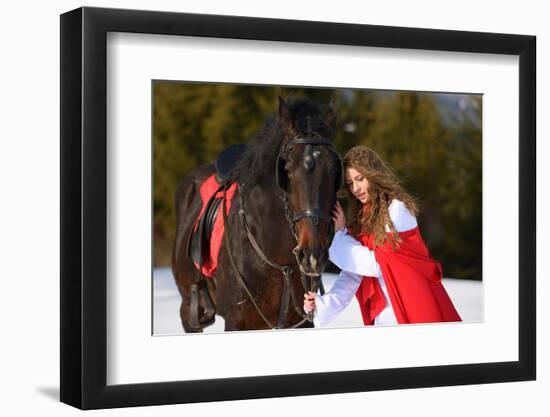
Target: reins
286 270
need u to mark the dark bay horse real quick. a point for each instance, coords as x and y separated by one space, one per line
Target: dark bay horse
278 229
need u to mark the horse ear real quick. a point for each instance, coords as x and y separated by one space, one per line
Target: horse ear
284 117
330 118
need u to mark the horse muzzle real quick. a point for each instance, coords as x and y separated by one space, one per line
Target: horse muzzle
312 262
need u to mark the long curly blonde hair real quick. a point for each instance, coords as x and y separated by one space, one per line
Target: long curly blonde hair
372 217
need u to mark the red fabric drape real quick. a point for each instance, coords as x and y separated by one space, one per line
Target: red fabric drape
413 280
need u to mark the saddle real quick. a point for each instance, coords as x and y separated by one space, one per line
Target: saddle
206 239
200 238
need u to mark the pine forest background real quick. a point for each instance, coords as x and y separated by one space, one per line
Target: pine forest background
433 141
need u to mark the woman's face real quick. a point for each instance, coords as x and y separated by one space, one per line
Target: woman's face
357 184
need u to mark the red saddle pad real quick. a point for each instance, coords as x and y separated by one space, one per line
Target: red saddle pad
207 190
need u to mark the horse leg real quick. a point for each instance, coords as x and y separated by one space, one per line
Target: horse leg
231 325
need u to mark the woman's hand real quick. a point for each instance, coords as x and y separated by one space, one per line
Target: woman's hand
338 217
309 302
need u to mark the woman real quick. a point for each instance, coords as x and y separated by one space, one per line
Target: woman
384 261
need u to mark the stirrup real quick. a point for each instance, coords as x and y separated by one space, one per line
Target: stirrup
209 309
194 322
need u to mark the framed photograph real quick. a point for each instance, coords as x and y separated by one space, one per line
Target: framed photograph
154 104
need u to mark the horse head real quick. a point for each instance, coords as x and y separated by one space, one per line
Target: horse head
310 172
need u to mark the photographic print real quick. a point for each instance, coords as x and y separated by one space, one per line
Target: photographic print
338 201
293 207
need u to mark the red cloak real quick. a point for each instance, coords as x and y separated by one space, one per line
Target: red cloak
413 281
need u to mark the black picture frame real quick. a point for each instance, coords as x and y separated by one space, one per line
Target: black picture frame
84 207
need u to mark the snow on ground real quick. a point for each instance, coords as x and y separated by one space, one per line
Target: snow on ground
466 295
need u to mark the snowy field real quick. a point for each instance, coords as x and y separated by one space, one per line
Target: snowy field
466 296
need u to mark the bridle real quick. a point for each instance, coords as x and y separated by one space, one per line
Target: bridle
313 214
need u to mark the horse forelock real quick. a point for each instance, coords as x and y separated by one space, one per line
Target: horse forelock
306 115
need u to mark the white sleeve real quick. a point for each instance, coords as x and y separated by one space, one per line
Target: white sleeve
348 254
401 216
337 299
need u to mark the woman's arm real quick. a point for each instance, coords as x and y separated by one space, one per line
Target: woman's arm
348 254
329 305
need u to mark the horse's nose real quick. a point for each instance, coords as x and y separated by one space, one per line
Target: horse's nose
312 261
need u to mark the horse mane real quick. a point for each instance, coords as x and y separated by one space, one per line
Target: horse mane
257 165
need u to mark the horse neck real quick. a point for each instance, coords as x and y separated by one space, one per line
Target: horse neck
265 215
